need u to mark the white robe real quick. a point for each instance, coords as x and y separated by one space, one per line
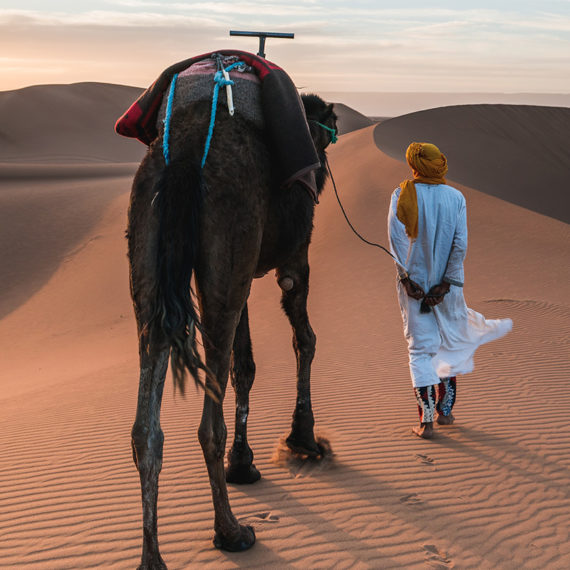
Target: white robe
441 343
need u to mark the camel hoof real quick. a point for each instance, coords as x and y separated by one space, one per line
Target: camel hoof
245 540
308 448
242 474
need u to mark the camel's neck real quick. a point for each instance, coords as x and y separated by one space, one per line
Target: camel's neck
321 173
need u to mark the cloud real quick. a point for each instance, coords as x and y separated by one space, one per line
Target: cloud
110 19
231 8
363 44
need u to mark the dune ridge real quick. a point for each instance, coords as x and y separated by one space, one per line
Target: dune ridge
45 127
66 123
350 120
393 104
489 492
518 153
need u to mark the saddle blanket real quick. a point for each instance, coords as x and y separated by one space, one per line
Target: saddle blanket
283 114
197 83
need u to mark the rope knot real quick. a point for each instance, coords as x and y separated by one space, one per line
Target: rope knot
221 80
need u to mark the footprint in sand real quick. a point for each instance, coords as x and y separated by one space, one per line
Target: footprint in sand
437 558
411 499
257 518
425 460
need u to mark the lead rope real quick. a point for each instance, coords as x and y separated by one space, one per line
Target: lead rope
351 226
423 307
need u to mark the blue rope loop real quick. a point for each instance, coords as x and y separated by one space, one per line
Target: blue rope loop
220 81
167 119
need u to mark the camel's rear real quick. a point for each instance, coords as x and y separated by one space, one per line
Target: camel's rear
236 190
202 216
184 220
204 190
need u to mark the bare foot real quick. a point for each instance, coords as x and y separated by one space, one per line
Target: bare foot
424 430
445 420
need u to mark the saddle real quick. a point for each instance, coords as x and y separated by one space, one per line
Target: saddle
196 84
282 112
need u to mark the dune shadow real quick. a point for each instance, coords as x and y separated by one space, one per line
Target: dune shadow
537 129
343 540
414 510
41 225
259 556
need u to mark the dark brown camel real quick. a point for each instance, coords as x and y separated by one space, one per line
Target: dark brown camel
225 225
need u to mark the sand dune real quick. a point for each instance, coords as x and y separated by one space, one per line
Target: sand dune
517 153
387 104
54 125
350 120
45 222
66 123
489 492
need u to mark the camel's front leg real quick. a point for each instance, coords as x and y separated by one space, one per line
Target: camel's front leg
240 457
294 280
147 440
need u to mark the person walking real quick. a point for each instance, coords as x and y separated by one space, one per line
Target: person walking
427 226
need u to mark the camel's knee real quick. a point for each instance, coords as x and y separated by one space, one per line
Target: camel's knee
147 447
306 343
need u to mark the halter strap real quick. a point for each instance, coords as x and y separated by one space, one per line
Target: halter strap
334 137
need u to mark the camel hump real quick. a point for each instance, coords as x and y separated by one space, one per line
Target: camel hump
193 87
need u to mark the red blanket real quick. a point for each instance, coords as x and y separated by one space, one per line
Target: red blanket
282 108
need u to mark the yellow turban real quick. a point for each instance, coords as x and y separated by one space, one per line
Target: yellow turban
429 166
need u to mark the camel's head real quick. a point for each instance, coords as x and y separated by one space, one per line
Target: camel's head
322 121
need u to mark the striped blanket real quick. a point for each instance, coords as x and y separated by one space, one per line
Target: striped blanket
283 113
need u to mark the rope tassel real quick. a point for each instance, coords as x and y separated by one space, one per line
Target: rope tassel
167 119
221 79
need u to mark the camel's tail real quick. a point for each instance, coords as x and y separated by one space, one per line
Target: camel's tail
178 202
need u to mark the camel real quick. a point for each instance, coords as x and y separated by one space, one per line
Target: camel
222 225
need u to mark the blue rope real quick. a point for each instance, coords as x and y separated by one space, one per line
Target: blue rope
334 138
165 140
220 81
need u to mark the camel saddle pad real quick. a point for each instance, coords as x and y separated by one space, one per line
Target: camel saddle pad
282 110
197 84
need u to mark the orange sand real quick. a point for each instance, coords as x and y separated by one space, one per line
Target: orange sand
488 492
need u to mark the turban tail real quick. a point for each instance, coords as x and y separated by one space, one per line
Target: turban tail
429 166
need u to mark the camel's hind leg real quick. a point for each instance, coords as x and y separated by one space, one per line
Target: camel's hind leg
147 436
232 230
240 457
147 441
294 280
219 329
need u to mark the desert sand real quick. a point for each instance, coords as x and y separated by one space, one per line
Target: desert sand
491 491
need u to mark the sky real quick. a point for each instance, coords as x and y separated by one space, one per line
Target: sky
357 45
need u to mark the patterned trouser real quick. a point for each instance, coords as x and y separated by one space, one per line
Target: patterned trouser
429 399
